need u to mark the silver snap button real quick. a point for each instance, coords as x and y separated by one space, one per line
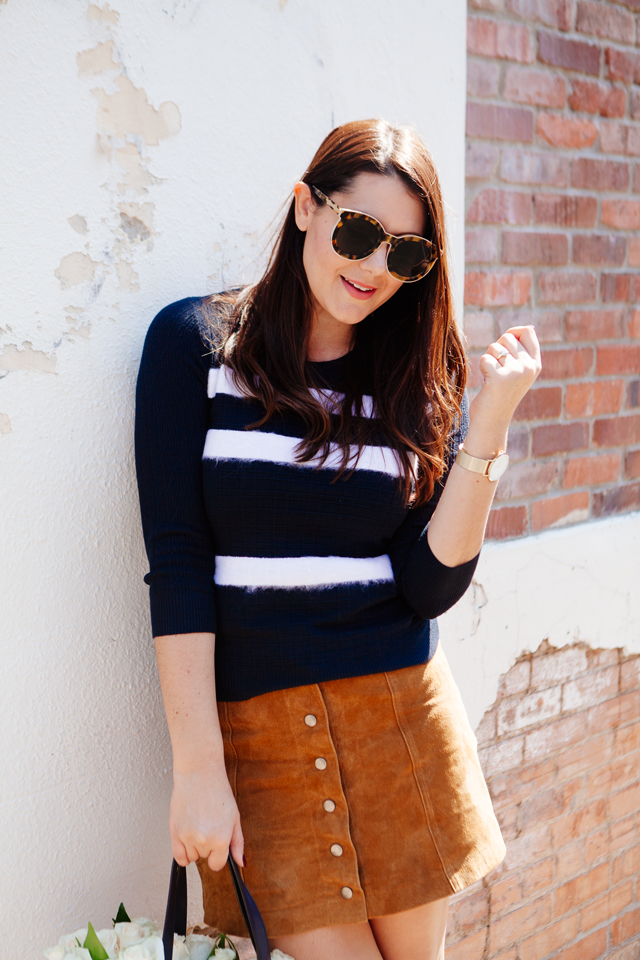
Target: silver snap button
347 893
329 806
336 849
310 720
321 763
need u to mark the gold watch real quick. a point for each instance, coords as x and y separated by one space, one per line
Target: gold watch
491 469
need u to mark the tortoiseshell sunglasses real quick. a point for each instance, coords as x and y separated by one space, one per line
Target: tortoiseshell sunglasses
357 235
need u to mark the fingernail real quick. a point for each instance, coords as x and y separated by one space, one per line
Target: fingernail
244 860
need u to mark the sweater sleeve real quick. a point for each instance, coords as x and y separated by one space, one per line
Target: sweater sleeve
172 411
428 586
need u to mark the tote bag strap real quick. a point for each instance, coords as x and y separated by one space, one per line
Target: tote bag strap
175 920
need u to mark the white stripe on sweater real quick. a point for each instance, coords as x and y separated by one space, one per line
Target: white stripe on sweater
275 448
221 381
254 572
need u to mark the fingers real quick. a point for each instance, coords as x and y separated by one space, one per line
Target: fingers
526 336
236 846
179 852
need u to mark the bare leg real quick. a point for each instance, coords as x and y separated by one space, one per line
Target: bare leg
352 941
416 934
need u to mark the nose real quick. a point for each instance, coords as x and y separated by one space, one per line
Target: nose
376 264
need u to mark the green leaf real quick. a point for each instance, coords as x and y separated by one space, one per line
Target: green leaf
93 945
222 940
122 916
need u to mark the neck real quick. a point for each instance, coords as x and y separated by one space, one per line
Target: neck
329 339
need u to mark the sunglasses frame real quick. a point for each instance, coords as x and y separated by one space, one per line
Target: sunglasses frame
385 237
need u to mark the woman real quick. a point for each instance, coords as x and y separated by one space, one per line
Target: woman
307 505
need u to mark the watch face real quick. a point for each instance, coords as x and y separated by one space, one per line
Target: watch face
498 467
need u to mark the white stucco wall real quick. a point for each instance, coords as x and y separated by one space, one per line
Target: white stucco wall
145 148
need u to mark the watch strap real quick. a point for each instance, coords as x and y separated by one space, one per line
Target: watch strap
476 464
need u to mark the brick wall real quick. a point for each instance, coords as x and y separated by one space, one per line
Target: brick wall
561 752
553 239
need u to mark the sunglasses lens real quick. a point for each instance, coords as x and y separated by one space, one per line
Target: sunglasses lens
410 259
355 237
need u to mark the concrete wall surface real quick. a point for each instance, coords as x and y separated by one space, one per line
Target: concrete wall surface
146 146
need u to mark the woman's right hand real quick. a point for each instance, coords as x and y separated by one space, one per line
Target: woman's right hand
204 820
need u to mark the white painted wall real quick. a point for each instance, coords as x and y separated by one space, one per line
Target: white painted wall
145 147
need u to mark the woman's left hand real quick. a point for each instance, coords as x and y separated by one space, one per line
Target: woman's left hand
509 368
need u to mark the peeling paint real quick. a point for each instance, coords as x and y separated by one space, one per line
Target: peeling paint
75 268
27 358
105 13
137 176
83 331
282 4
127 276
5 423
78 223
129 112
97 59
136 219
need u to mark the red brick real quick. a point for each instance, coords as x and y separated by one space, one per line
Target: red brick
516 925
482 78
613 358
570 54
481 246
481 160
565 364
616 431
634 261
625 927
563 211
535 87
497 289
515 680
622 65
549 12
559 438
557 287
492 122
549 941
588 471
554 737
558 511
558 665
605 20
619 138
588 96
607 907
589 174
634 315
595 324
518 444
548 323
517 713
578 824
613 776
500 757
634 105
632 465
500 206
631 4
584 756
478 329
505 894
526 480
541 403
599 250
571 861
520 249
621 214
589 948
491 5
628 864
612 713
471 948
537 877
636 178
506 41
597 686
630 669
627 740
618 500
506 522
565 131
527 166
472 911
597 846
633 395
540 808
620 287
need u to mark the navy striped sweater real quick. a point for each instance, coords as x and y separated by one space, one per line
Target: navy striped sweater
302 579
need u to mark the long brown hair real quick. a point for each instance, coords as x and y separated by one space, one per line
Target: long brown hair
408 352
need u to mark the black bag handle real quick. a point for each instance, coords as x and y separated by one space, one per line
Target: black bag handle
175 920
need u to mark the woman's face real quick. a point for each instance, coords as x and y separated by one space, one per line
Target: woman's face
347 291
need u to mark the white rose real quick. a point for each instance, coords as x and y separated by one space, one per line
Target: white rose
109 940
77 953
130 933
279 955
199 946
151 929
224 953
180 949
149 949
55 953
70 942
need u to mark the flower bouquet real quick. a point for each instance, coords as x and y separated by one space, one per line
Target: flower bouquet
141 939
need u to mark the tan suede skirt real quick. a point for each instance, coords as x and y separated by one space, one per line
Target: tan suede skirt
358 798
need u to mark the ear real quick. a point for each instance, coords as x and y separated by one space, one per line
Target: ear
305 205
